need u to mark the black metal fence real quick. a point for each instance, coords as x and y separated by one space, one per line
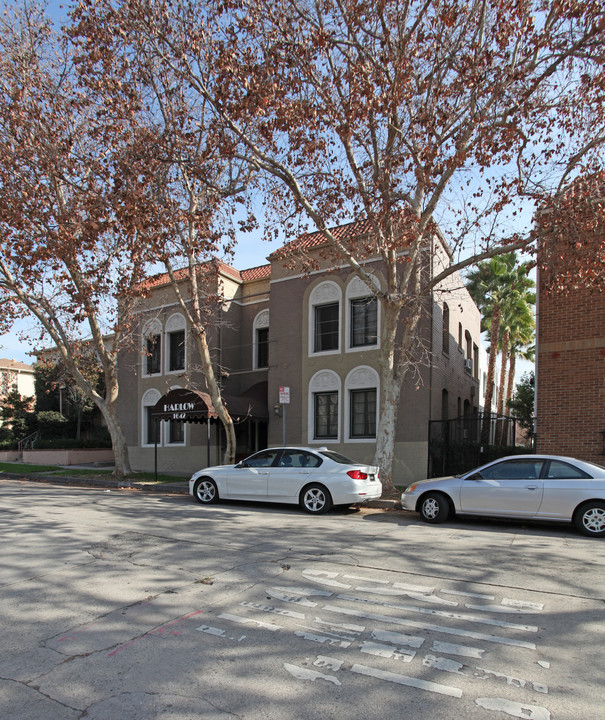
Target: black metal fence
458 445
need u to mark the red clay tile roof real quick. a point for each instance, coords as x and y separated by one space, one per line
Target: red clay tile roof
256 273
317 239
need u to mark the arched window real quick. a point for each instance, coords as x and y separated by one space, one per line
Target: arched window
361 403
260 340
363 315
324 318
149 426
175 343
152 348
324 407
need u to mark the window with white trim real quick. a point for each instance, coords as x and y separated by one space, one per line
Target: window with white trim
260 343
324 318
152 348
149 426
363 315
324 407
361 404
175 343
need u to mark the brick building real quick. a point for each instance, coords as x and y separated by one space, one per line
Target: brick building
317 333
570 358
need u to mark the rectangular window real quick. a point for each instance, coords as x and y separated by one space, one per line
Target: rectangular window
363 413
326 327
177 432
177 350
154 354
262 348
326 415
152 429
364 322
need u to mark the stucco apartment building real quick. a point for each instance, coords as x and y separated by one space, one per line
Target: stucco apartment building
314 335
15 375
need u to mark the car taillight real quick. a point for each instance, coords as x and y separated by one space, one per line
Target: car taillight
357 475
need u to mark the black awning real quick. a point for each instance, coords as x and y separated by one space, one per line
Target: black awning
196 406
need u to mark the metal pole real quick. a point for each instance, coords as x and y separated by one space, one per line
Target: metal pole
284 424
208 442
155 447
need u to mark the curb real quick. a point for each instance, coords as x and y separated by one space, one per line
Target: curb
177 488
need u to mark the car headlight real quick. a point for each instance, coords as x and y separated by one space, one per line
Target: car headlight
411 488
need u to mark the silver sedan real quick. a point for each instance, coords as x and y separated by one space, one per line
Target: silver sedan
538 487
314 478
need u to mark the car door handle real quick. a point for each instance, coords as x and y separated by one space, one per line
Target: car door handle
531 487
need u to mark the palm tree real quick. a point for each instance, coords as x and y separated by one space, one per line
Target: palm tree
520 328
497 286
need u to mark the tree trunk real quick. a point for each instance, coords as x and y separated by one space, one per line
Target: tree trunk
118 441
501 390
511 381
215 394
392 374
491 373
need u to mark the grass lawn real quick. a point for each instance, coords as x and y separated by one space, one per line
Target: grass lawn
85 472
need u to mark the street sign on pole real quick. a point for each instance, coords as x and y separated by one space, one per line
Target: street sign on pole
284 399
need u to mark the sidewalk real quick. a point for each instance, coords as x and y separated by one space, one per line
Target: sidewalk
172 488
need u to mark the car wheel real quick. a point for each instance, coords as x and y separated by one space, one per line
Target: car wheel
590 518
434 508
315 499
205 491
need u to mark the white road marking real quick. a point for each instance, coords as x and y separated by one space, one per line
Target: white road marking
484 674
323 639
365 579
435 628
302 591
422 589
514 709
408 593
544 664
328 662
339 636
387 651
347 627
538 607
246 621
292 599
271 609
467 594
502 609
306 674
406 680
443 664
398 638
324 577
212 630
454 649
442 613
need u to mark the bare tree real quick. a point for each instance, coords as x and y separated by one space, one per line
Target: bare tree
397 115
69 253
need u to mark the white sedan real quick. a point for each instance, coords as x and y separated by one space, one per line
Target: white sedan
315 479
538 487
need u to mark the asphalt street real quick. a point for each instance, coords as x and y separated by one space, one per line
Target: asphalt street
122 605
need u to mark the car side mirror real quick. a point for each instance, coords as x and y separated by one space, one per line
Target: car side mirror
475 476
241 464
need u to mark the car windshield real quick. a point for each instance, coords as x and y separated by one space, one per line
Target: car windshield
337 457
